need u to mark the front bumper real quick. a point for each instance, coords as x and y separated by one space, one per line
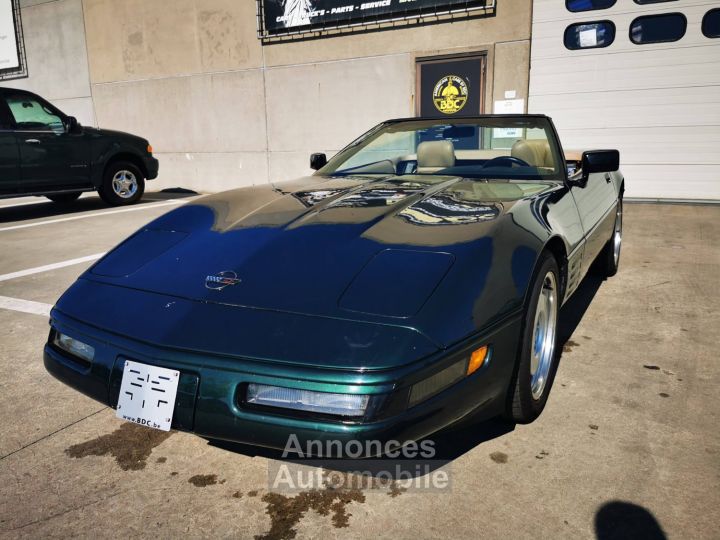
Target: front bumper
211 389
152 165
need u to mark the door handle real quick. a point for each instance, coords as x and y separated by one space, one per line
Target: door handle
32 141
608 178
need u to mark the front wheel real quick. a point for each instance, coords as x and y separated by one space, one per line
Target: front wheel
610 255
537 360
123 184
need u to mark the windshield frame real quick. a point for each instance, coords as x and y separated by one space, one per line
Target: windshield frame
533 122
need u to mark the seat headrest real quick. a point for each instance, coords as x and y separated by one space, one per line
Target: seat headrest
535 152
433 156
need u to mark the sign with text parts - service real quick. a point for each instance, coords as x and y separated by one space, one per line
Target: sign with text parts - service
282 16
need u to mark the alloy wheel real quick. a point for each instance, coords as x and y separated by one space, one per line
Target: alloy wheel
543 340
617 235
124 184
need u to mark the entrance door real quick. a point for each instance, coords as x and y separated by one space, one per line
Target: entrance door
450 86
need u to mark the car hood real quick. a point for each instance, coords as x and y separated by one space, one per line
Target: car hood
101 132
368 250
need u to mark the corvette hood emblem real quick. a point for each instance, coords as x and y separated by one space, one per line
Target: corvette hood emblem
221 280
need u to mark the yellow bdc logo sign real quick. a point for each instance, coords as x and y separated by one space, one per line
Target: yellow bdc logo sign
450 94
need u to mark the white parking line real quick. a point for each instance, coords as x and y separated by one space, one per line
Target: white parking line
48 267
25 306
94 214
15 205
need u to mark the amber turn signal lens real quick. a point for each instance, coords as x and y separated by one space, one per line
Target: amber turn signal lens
149 148
477 359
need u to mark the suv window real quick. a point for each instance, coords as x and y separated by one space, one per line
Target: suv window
32 115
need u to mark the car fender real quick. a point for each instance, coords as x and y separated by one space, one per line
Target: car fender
108 153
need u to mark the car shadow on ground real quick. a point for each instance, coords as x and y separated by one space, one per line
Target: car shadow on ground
450 443
44 208
574 309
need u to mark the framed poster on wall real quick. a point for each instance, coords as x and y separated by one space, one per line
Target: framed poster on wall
12 51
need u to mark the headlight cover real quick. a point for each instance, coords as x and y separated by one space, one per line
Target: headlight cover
74 347
306 400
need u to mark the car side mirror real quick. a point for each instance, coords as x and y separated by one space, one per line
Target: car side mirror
72 125
599 161
318 161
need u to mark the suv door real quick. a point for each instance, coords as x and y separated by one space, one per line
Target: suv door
9 154
50 156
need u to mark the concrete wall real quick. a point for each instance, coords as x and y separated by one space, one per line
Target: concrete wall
221 110
57 56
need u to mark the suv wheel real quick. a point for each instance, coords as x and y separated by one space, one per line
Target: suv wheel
123 184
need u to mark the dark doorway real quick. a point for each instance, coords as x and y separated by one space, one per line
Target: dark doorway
450 86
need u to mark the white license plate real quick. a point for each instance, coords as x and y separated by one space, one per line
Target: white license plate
147 395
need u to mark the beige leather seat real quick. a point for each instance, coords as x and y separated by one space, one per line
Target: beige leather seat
534 152
433 156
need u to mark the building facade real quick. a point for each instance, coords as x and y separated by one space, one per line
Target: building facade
225 107
240 92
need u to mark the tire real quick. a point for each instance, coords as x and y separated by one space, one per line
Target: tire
123 183
64 198
609 258
537 357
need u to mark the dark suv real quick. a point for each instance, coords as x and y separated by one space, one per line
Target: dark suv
45 152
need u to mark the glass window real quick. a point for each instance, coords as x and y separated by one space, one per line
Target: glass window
32 115
509 147
588 5
643 2
658 28
711 23
589 35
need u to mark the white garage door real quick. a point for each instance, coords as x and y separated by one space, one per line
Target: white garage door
658 103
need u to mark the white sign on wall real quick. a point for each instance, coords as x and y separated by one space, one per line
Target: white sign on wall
508 106
9 57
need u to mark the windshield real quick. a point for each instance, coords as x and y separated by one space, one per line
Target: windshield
512 147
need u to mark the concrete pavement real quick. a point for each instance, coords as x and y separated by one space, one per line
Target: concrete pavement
628 442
